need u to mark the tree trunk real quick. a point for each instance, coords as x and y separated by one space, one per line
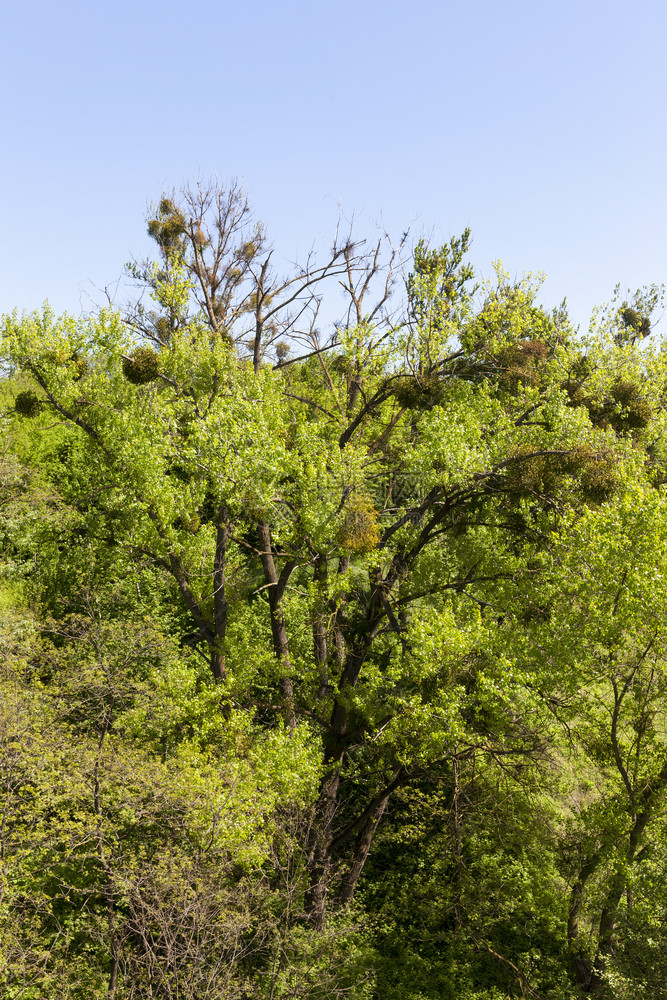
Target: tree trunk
319 849
321 835
319 627
580 962
218 667
276 590
362 849
618 886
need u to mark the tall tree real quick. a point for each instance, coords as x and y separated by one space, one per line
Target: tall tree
351 533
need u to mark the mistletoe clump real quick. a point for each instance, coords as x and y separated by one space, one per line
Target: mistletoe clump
624 409
168 226
419 392
599 481
530 475
27 404
544 475
141 366
520 364
635 325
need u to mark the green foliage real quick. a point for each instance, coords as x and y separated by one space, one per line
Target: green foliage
359 531
386 621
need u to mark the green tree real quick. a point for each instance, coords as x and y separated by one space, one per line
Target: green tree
365 543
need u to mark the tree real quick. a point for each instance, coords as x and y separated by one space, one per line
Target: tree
360 538
609 611
208 234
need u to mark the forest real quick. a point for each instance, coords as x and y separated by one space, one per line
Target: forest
333 614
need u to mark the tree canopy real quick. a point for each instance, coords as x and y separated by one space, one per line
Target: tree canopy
334 666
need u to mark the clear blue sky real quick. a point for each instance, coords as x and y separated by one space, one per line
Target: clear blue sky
540 125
